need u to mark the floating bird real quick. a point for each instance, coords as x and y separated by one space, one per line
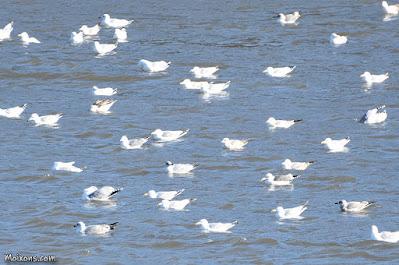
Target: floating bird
373 116
288 164
353 206
188 84
215 227
234 144
102 106
94 194
164 195
390 9
204 72
386 236
134 143
114 22
338 39
168 135
26 39
90 31
175 205
289 18
273 123
157 66
335 145
95 229
279 180
107 91
5 33
369 78
13 112
46 119
104 48
279 71
77 37
68 166
215 88
179 168
120 35
289 213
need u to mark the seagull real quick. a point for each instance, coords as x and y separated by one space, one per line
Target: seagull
214 88
133 144
215 227
373 116
77 37
338 39
26 39
279 71
204 72
45 120
386 236
288 164
157 66
289 18
103 194
290 212
107 91
102 106
390 9
13 112
68 166
5 33
164 195
90 31
95 229
353 206
179 168
115 22
104 48
175 205
369 78
188 84
234 144
279 180
168 135
120 35
335 145
273 123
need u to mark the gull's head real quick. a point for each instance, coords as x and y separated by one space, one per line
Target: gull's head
151 193
33 117
84 27
185 82
269 176
79 224
168 163
271 120
157 131
287 161
334 35
106 16
196 68
225 140
203 222
279 209
24 36
384 4
268 69
374 229
164 203
296 13
124 138
365 74
88 191
342 203
326 141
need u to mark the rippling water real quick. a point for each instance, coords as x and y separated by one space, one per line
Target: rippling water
40 206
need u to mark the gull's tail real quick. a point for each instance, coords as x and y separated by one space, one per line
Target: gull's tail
115 192
112 226
184 132
297 121
296 176
179 192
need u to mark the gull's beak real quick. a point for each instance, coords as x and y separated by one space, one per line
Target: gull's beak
263 179
336 203
323 142
197 223
191 71
274 210
181 83
145 194
19 35
361 75
152 133
159 204
264 71
75 226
